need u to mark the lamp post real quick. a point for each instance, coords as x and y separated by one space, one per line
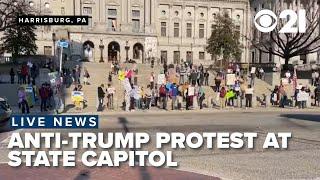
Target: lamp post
101 47
54 39
191 53
127 47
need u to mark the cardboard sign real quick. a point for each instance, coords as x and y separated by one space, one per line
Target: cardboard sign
30 95
191 91
77 96
122 75
302 96
127 85
54 78
230 79
44 75
253 70
161 79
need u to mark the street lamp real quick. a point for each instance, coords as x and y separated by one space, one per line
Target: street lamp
54 39
191 53
127 47
101 47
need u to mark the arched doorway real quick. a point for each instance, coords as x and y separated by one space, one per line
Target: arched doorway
113 51
138 52
88 48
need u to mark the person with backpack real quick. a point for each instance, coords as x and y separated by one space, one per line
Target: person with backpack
163 96
222 95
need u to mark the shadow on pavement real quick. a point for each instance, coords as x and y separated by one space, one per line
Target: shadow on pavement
5 126
144 174
305 117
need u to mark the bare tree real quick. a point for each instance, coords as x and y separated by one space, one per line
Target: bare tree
288 45
7 9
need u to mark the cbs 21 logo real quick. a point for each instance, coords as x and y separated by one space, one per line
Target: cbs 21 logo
268 20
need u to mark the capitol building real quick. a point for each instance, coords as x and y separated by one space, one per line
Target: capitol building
167 30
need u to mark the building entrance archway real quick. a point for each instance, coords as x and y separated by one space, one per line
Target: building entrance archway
113 52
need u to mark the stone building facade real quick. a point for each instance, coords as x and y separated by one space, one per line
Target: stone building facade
168 30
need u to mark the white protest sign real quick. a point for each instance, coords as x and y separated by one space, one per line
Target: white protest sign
231 79
161 79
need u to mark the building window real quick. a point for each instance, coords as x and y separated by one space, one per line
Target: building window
176 57
112 12
176 13
135 20
202 14
62 11
163 57
303 58
87 11
163 12
135 13
163 29
201 30
112 19
47 50
176 30
214 15
189 14
189 30
135 25
213 27
201 55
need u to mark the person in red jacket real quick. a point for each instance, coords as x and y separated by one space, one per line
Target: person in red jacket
24 73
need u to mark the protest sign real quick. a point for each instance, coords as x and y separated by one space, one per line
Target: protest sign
161 79
231 79
191 91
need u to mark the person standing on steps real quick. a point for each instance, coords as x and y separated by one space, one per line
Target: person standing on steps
111 91
101 95
86 77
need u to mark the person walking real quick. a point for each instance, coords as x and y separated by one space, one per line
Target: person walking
101 95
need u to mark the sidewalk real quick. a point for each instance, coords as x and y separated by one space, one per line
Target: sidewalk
33 111
156 111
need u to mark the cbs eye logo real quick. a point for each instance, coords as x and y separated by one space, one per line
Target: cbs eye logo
266 21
